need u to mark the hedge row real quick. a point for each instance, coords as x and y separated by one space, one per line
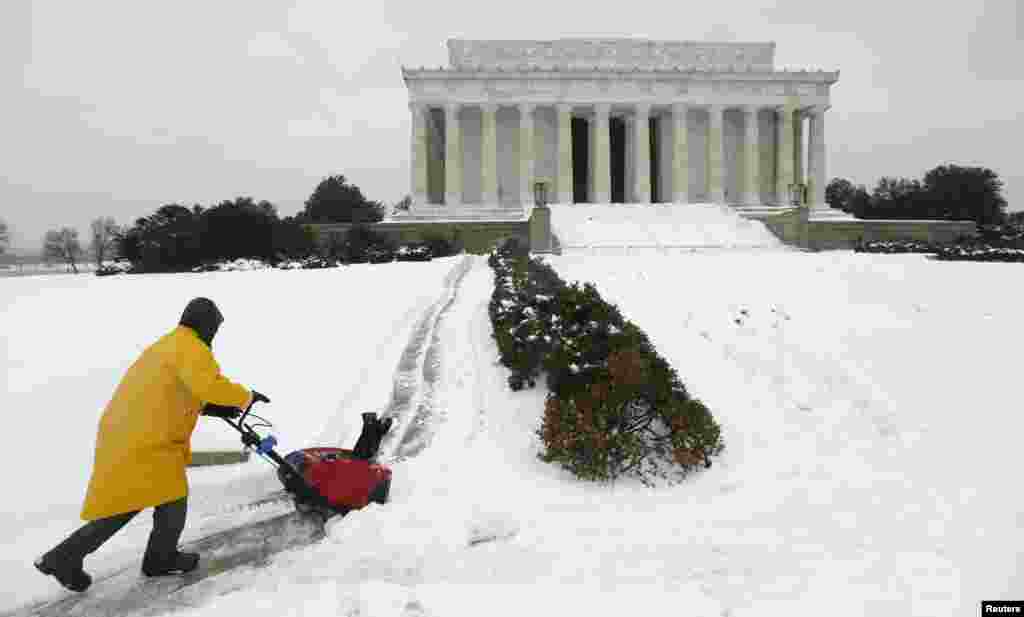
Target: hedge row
964 250
896 246
968 252
359 245
615 407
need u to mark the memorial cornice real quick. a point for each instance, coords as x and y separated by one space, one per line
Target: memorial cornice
541 73
654 88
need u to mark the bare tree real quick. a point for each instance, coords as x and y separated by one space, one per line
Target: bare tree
63 244
103 233
5 236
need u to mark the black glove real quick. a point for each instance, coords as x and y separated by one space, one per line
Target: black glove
259 398
221 411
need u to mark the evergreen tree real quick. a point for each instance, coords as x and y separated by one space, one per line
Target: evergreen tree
337 201
838 193
5 236
966 193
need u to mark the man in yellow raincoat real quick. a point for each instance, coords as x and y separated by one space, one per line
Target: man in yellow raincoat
142 448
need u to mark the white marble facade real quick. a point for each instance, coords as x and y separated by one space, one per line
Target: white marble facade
727 126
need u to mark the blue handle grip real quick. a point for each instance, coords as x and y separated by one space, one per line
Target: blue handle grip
266 444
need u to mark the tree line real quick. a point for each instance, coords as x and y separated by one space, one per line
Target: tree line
946 192
176 237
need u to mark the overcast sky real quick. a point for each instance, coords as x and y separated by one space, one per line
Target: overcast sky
117 107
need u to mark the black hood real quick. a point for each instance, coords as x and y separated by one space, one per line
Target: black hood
202 315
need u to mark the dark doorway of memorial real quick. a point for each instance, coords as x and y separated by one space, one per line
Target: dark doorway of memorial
617 162
580 159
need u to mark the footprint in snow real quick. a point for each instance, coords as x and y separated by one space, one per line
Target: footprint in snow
491 530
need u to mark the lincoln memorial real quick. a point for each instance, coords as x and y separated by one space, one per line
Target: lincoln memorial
615 121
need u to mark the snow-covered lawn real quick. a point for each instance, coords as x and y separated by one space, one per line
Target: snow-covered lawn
867 405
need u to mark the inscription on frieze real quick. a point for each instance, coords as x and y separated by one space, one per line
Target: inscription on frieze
554 89
748 88
584 54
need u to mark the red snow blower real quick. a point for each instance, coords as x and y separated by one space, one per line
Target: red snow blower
327 481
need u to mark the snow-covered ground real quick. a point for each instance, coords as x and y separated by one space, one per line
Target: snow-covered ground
604 228
871 462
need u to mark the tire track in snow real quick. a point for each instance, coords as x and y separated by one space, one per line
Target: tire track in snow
332 432
417 357
416 377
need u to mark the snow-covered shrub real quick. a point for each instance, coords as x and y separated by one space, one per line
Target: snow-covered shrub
362 244
115 267
629 416
312 262
980 252
615 407
238 265
896 246
416 251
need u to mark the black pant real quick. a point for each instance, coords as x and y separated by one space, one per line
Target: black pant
168 523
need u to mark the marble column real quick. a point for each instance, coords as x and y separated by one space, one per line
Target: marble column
716 158
798 147
628 159
526 136
680 154
751 157
488 155
642 154
817 171
602 155
784 156
452 156
418 158
565 178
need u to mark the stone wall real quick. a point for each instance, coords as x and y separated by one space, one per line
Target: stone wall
794 228
824 235
477 237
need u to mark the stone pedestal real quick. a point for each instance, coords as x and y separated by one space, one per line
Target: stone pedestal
540 230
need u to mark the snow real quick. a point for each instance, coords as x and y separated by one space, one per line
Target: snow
656 225
871 462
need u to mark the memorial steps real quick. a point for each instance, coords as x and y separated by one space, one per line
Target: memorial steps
623 229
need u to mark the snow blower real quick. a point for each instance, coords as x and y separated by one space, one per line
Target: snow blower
323 480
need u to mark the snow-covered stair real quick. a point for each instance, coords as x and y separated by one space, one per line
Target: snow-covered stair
667 228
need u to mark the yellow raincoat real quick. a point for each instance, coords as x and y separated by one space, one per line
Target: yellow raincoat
142 445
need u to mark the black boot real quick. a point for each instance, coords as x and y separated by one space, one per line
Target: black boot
162 556
178 563
65 561
70 575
